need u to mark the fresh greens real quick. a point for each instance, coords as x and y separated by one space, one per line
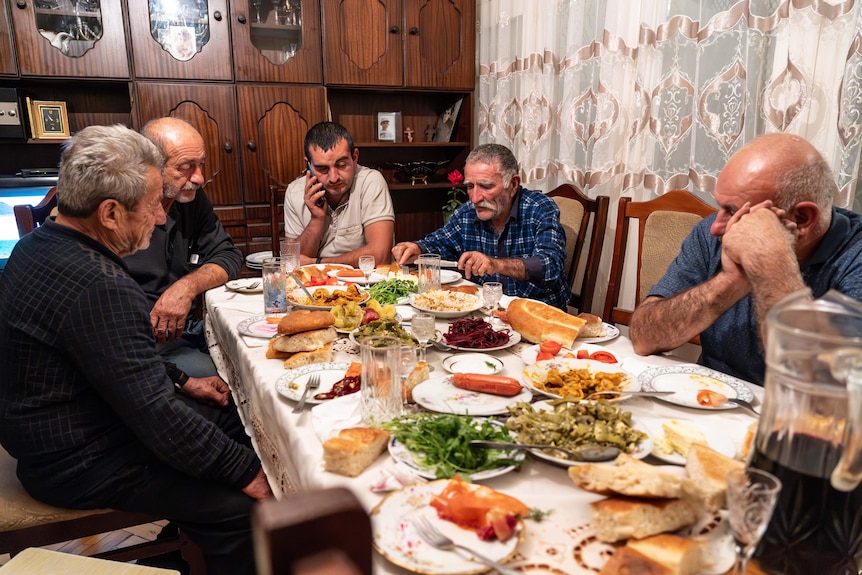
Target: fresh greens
538 515
442 442
392 290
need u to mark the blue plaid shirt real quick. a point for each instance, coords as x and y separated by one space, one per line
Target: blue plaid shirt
532 233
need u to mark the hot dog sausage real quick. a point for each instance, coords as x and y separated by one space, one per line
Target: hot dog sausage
350 273
494 384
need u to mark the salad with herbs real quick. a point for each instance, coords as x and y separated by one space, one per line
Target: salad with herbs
392 290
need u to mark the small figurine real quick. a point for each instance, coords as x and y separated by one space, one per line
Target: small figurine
408 133
429 133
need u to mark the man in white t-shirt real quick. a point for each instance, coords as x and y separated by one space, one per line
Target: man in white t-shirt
339 210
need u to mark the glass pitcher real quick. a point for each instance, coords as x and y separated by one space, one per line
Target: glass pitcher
810 436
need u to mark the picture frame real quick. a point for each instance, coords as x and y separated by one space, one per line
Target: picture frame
388 127
446 123
49 120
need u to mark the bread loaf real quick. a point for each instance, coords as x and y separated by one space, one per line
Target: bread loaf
594 327
617 518
301 320
538 322
419 374
708 470
307 357
658 555
353 450
305 341
272 353
629 476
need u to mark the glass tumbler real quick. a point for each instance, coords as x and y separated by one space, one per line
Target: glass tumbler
289 250
429 272
380 395
274 288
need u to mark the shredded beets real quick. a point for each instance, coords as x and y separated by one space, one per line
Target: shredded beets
475 333
345 386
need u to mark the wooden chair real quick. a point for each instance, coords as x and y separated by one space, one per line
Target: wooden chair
26 522
576 212
29 217
663 223
327 525
276 215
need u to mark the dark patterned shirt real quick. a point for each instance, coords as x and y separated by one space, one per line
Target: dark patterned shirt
533 233
82 390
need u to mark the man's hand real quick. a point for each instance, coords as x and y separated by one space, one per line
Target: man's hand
314 191
168 316
259 487
406 252
476 264
207 390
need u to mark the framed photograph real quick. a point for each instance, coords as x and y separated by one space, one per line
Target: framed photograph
445 129
388 126
48 120
181 42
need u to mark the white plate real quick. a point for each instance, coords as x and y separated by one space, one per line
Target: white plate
716 438
372 279
292 383
449 314
449 277
440 394
245 285
257 326
395 537
529 353
472 363
257 258
687 379
537 372
401 454
514 338
613 333
644 448
297 295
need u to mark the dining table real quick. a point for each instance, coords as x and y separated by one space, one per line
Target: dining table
290 444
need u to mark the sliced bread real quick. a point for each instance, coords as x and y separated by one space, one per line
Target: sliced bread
617 518
629 476
353 450
708 470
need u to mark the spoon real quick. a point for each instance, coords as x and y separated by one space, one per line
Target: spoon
589 453
299 283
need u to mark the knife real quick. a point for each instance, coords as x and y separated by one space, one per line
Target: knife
299 283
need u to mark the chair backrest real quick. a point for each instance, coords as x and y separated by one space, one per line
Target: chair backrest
576 212
276 215
663 223
309 525
29 217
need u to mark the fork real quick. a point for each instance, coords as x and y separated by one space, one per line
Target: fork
252 285
744 405
312 383
438 540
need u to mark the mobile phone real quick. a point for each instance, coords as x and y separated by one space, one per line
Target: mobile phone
321 200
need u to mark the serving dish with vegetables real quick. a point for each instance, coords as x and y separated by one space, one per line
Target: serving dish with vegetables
577 378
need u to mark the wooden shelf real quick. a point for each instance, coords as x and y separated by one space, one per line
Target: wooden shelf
412 144
72 13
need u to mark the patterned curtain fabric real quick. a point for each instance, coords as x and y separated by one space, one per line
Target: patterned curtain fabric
638 97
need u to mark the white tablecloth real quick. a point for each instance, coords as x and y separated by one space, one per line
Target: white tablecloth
292 454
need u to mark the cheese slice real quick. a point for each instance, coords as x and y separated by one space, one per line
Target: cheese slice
678 437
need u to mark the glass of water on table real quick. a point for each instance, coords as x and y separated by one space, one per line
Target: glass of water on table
492 292
423 327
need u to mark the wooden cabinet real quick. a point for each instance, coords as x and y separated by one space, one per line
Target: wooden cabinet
59 38
7 53
411 43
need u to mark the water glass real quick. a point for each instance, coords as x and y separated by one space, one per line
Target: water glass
429 272
408 357
366 264
289 251
274 288
491 294
380 394
751 497
423 327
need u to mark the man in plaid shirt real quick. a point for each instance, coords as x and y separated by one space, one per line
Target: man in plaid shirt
505 233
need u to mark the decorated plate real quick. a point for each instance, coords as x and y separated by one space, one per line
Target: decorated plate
440 395
613 333
468 309
372 279
687 379
299 300
449 277
245 285
716 438
644 447
472 363
401 454
396 539
537 373
529 353
292 383
257 326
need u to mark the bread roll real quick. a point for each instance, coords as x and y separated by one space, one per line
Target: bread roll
306 357
470 289
304 320
419 374
305 341
617 518
594 327
708 470
658 555
629 476
538 322
353 450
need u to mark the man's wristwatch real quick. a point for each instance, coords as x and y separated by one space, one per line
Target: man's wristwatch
178 376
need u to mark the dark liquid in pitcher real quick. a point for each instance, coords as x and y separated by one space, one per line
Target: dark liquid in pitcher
815 529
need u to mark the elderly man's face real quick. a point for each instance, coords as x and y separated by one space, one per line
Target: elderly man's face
138 226
184 167
490 195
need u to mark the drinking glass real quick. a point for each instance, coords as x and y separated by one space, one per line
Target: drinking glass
289 250
491 294
366 264
429 272
409 357
423 326
274 287
380 393
751 497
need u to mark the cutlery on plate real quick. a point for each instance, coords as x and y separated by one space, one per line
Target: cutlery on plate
300 284
641 393
312 383
438 540
587 453
744 405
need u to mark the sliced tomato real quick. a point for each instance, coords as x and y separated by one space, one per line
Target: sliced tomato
603 356
501 313
314 282
583 354
331 281
551 347
542 356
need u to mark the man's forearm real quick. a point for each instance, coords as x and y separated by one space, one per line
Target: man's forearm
511 267
776 278
206 277
309 239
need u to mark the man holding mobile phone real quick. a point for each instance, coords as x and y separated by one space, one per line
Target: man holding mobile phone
338 209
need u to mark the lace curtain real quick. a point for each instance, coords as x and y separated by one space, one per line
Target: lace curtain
637 97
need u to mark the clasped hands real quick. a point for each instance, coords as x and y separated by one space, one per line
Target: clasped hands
755 235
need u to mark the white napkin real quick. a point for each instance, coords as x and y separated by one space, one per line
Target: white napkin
330 417
635 366
393 476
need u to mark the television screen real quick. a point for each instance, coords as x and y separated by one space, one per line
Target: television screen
10 197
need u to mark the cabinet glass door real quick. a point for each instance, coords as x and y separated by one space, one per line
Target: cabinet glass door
181 27
71 26
276 28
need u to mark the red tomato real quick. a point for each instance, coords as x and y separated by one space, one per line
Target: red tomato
331 281
604 357
541 356
551 347
583 354
314 282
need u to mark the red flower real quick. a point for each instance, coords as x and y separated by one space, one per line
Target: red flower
455 178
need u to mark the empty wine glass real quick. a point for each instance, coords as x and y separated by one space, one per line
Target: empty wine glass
751 497
422 326
366 264
409 357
